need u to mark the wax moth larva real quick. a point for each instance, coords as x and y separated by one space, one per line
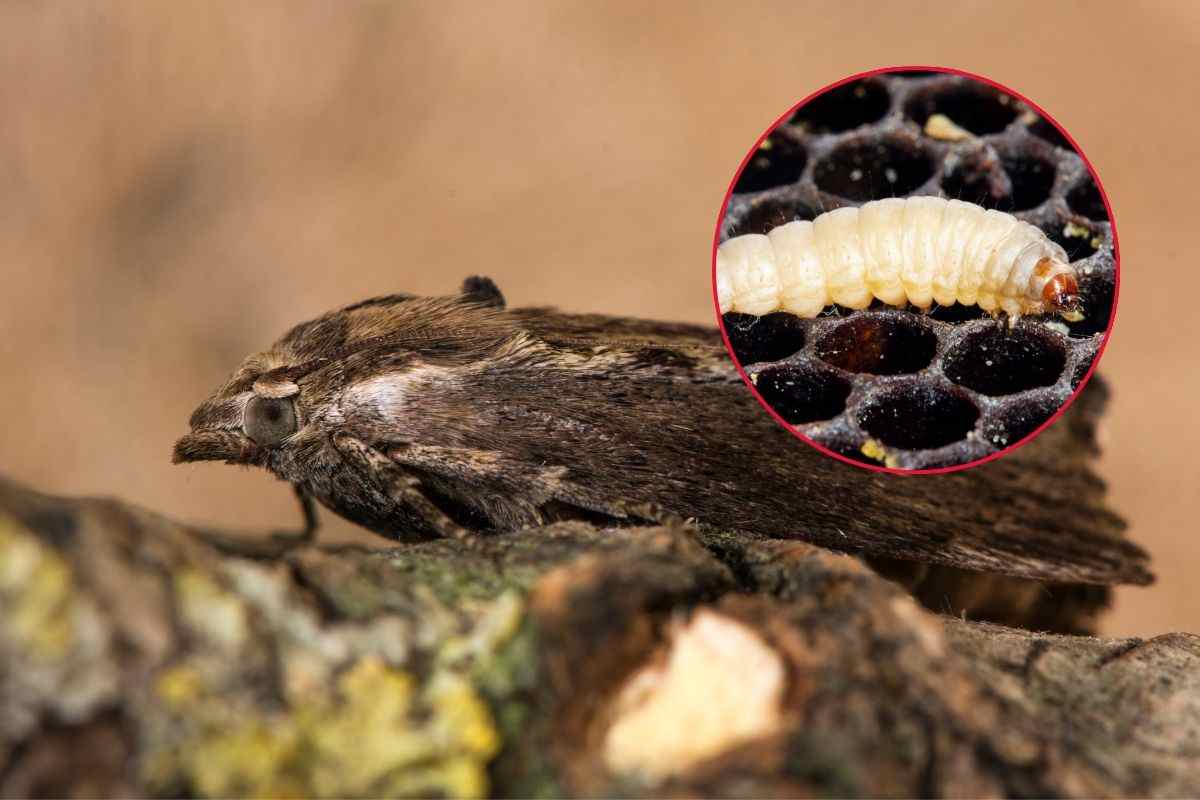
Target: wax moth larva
917 250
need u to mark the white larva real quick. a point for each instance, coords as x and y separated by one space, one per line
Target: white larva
917 250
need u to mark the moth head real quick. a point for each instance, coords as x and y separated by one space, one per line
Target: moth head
272 402
241 424
264 404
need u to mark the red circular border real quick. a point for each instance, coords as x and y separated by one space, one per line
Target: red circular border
1116 269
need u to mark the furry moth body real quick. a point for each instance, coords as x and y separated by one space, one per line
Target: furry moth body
917 250
453 416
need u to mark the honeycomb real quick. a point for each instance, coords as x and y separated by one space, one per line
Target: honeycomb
896 386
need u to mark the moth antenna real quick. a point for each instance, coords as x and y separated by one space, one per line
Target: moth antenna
483 290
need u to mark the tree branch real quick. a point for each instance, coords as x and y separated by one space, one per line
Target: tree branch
139 657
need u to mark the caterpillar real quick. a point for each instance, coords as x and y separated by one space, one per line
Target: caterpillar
917 250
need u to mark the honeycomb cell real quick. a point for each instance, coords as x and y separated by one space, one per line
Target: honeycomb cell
997 361
778 161
1031 179
868 170
1047 132
1085 199
977 108
802 393
769 213
844 108
1079 242
916 416
879 345
956 313
978 177
1014 422
768 338
1096 293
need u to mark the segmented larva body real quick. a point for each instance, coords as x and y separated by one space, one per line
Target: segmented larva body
917 250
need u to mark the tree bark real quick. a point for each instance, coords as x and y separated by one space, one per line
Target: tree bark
141 656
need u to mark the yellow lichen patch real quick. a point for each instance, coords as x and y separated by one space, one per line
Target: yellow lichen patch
210 611
939 126
378 733
179 687
35 592
247 759
498 623
721 685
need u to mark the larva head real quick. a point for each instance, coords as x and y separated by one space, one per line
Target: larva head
1061 294
339 370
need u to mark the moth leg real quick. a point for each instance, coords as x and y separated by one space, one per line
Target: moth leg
312 523
401 486
309 509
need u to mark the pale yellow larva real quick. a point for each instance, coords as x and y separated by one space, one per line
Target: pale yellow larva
917 250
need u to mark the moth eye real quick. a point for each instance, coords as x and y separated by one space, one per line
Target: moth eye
268 420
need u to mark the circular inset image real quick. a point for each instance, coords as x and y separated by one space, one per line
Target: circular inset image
915 269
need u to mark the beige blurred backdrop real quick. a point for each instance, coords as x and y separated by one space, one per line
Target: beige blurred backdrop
179 183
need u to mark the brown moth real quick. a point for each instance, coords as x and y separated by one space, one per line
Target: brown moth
453 416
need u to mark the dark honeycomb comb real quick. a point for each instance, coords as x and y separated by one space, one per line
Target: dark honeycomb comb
895 386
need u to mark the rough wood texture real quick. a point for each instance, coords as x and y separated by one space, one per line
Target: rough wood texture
141 656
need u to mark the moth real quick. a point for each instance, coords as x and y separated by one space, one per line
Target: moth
426 417
917 250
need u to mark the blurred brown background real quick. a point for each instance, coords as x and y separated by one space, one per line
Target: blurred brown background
179 183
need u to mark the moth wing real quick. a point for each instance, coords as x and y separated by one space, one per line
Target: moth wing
1037 513
558 329
509 490
1055 524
